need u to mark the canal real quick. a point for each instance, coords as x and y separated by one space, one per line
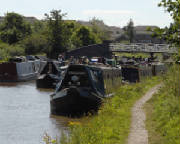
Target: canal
25 115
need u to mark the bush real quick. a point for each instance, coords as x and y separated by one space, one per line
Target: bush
7 51
14 28
36 43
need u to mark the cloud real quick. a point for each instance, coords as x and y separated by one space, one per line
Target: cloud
107 12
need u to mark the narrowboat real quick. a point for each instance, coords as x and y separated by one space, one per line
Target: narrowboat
158 68
135 73
19 69
81 90
49 76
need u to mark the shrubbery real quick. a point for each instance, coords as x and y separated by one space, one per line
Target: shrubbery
35 44
7 51
14 28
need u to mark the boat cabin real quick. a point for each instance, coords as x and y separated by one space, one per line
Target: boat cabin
83 76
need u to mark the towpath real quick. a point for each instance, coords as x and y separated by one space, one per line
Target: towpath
138 134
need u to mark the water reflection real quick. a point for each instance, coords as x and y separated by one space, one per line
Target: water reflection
25 114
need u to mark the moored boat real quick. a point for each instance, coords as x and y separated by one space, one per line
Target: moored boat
135 73
18 69
49 76
80 91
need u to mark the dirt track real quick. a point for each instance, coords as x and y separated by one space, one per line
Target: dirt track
138 134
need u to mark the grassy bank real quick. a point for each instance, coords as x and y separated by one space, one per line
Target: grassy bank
112 123
163 111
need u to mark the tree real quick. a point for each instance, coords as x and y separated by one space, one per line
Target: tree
100 29
70 29
172 33
57 33
84 36
129 30
36 43
14 28
38 26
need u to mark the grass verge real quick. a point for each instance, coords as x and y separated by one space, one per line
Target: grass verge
112 123
163 111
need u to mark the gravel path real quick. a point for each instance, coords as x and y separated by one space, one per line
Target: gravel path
138 134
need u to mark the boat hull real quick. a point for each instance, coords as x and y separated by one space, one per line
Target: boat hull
46 82
72 103
19 72
49 75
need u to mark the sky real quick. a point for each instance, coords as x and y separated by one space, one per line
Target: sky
112 12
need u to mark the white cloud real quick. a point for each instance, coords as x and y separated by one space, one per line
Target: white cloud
107 12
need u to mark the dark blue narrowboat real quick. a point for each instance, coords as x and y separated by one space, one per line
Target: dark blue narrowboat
81 90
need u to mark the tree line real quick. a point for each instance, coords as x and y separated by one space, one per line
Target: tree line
51 36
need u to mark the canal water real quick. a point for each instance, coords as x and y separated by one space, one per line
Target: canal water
25 115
